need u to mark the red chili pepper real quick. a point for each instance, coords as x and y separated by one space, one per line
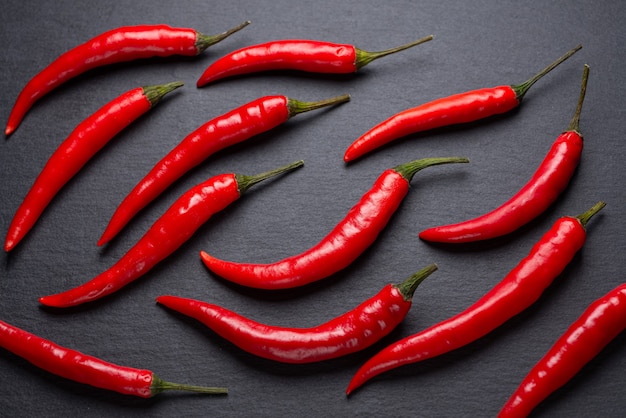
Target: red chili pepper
459 108
600 323
357 231
117 45
233 127
353 331
517 291
301 55
169 232
83 143
79 367
550 179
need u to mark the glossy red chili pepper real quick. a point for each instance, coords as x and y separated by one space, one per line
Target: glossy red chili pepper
550 179
301 55
83 143
600 323
353 331
459 108
517 291
117 45
167 234
233 127
350 237
79 367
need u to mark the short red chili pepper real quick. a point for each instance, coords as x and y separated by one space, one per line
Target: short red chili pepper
598 325
550 179
348 333
301 55
459 108
519 289
167 234
231 128
74 365
117 45
77 149
350 237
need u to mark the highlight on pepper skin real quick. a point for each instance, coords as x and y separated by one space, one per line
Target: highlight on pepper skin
350 332
518 290
166 235
547 183
456 109
89 137
233 127
121 44
341 246
82 368
301 55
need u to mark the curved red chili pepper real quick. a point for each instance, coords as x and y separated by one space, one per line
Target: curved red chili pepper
235 126
459 108
353 331
117 45
83 143
79 367
550 179
517 291
600 323
357 231
301 55
167 234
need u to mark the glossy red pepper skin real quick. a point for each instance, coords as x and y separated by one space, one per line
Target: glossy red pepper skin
549 180
348 333
459 108
598 325
89 137
456 109
519 289
82 368
300 55
167 234
350 237
233 127
117 45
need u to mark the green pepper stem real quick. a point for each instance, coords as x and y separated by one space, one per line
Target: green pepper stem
245 182
154 94
574 123
408 170
204 41
159 385
365 57
407 287
521 89
584 217
295 107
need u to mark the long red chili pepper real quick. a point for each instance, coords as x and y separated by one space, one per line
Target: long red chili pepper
77 149
353 331
550 179
301 55
117 45
169 232
517 291
459 108
600 323
233 127
350 237
81 368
